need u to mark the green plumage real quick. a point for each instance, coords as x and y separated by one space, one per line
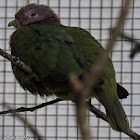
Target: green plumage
53 51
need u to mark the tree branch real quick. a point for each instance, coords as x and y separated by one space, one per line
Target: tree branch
81 108
23 109
136 48
15 60
97 69
90 107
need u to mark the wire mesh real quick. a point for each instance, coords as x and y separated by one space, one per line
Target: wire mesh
58 122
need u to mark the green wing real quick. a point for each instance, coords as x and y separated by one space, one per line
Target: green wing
44 49
86 50
84 47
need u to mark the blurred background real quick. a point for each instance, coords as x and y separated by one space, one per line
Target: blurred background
58 121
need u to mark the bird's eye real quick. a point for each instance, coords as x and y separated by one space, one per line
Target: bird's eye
33 15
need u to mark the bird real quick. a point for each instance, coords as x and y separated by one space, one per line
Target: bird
53 51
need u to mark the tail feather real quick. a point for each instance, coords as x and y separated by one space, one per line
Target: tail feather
115 112
122 92
117 116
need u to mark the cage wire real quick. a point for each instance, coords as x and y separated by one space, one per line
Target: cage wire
58 121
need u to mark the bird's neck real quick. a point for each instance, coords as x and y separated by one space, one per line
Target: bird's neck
51 19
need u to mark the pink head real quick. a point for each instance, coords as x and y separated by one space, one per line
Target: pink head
34 13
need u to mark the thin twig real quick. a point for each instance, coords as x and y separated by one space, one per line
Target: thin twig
81 108
33 131
97 112
23 109
102 59
136 48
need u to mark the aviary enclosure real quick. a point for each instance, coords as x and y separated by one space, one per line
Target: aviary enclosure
58 121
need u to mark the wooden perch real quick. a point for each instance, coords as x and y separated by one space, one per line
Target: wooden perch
16 61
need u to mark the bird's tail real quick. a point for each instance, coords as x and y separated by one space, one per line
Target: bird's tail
115 112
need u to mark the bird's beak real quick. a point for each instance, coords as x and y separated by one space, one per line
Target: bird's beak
15 23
